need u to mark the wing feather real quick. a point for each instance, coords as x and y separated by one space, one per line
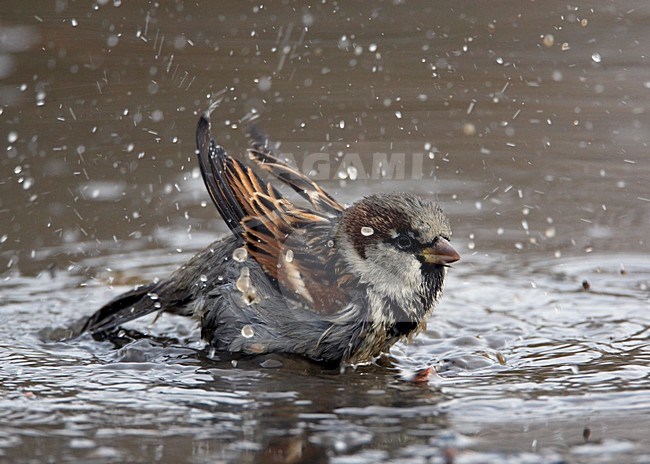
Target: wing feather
263 156
290 243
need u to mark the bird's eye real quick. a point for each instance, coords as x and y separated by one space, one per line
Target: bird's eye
403 242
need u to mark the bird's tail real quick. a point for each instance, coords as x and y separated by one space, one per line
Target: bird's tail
126 307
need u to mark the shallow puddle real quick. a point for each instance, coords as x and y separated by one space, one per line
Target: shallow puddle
526 122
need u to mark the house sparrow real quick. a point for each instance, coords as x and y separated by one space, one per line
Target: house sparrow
333 284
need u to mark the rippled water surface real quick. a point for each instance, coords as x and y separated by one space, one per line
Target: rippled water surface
526 121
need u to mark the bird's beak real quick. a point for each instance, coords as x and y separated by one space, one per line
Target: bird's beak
440 253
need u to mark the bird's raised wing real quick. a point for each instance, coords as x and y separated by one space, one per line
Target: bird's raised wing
294 246
261 153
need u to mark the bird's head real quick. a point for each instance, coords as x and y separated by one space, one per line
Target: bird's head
398 244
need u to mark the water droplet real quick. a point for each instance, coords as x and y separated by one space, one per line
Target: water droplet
288 256
243 282
596 57
565 46
40 98
240 254
247 331
330 243
367 231
264 84
469 128
398 114
352 172
342 124
244 285
203 278
548 40
12 136
550 232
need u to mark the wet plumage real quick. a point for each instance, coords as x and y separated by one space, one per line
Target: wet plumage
330 283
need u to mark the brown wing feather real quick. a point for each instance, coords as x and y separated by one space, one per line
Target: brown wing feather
210 157
291 246
290 243
261 153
